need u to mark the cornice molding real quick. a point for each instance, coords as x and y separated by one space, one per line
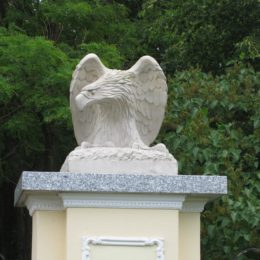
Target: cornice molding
43 202
144 201
194 204
63 200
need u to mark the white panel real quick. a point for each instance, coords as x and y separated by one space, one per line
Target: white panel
122 241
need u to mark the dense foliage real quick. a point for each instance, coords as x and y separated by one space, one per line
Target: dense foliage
210 53
213 127
200 33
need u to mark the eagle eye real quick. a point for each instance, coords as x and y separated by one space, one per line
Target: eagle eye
91 92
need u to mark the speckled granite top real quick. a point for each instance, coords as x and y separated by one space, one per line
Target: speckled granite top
119 183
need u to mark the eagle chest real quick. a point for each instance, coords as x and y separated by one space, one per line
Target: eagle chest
115 126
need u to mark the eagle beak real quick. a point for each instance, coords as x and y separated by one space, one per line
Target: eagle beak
82 101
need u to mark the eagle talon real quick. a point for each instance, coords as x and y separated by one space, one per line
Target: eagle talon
140 146
160 148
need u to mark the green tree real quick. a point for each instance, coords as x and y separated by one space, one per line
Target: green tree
212 127
35 125
184 34
72 23
35 122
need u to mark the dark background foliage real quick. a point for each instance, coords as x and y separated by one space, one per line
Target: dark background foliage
209 51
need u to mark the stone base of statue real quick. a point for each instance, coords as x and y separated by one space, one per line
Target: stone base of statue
116 216
116 160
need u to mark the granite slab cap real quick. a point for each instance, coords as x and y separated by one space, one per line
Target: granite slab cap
55 182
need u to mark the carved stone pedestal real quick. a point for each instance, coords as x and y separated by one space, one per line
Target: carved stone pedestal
118 160
114 217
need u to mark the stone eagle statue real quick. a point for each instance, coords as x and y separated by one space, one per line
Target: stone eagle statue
116 115
118 108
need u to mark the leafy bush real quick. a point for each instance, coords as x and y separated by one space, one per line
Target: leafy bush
212 127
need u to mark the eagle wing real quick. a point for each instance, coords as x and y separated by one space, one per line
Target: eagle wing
151 98
89 69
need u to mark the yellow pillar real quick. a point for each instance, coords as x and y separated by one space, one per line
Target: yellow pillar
49 233
189 239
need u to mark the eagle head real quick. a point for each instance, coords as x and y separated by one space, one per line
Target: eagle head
113 86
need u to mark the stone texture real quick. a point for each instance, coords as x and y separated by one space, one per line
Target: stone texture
119 183
120 108
117 160
116 115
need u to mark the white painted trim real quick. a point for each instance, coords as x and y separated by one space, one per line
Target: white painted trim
122 241
194 204
151 201
43 202
117 200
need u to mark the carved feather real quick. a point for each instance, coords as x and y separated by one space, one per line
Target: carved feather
151 98
140 93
